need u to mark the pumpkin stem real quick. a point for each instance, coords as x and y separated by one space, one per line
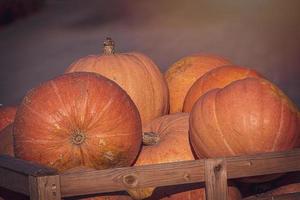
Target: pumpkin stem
109 46
78 138
150 138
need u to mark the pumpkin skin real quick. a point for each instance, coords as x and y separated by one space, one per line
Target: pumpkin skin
182 75
7 115
78 119
135 73
215 78
246 117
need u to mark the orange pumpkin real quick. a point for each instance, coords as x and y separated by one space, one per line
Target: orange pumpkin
167 140
183 74
78 119
7 115
216 78
246 117
135 73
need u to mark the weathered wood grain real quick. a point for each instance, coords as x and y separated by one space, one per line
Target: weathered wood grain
131 177
111 180
216 179
44 188
14 173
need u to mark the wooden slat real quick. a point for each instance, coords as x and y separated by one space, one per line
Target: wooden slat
118 179
24 167
14 173
291 196
44 188
14 181
263 164
175 173
215 179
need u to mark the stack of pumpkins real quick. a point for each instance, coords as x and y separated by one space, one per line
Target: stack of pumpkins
117 109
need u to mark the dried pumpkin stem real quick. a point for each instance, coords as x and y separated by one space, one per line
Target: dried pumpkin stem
150 138
109 46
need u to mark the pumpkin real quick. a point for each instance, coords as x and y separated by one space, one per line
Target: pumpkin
7 115
165 140
182 75
248 116
215 78
78 119
135 73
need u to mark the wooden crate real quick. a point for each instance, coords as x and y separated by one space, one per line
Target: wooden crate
43 183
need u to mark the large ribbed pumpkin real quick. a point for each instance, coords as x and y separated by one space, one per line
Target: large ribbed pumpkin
78 119
246 117
215 78
135 73
181 76
7 115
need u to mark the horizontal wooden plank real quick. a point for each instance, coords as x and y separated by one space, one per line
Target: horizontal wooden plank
291 196
14 181
118 179
263 164
15 173
24 167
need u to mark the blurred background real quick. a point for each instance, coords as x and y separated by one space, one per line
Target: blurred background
40 38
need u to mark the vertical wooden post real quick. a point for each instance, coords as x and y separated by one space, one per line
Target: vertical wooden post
44 187
216 179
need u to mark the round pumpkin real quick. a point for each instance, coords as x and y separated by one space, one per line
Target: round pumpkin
78 119
165 140
182 75
7 115
215 78
246 117
135 73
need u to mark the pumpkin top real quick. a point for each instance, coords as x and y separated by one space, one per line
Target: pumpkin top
183 74
135 72
216 78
